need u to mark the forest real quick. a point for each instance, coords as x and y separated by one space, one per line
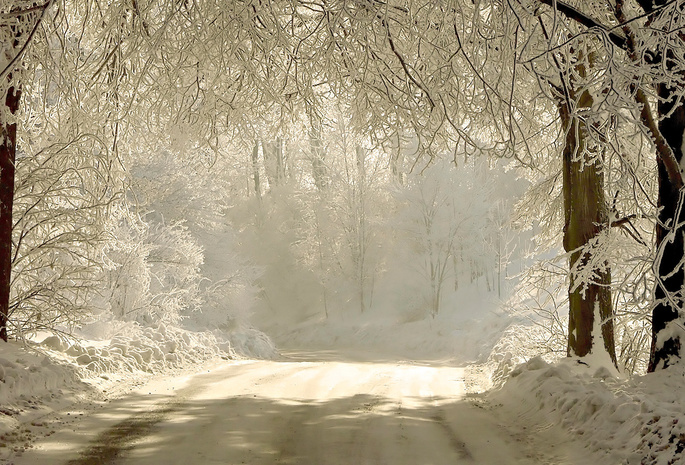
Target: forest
498 181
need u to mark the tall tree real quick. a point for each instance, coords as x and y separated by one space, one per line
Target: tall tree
664 51
651 55
8 148
19 24
586 216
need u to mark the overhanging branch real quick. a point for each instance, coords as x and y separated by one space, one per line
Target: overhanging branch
578 16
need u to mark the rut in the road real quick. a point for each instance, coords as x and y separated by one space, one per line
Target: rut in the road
456 443
109 445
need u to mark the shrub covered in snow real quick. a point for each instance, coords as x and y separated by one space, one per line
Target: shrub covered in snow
160 347
153 273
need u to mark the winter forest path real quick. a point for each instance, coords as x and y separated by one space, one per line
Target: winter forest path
305 409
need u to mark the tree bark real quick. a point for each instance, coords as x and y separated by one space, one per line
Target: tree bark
8 141
668 294
586 216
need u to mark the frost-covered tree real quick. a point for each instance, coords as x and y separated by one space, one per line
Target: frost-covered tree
444 221
473 78
636 85
641 70
18 24
62 225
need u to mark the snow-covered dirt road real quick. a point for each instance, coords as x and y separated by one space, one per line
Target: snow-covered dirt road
313 409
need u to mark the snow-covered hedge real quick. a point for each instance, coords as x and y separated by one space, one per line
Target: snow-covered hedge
160 347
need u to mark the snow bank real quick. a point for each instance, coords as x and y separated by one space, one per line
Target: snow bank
637 421
29 379
37 378
25 373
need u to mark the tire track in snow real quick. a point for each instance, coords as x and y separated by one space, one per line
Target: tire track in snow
110 444
287 447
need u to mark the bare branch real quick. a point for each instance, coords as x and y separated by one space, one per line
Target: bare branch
587 21
28 40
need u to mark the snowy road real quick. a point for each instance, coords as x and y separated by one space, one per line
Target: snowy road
303 409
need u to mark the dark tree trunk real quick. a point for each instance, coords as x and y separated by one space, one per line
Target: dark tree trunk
255 171
274 163
586 216
669 289
668 293
8 141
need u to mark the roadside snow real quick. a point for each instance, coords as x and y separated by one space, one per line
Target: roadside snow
622 421
55 373
31 385
157 348
638 421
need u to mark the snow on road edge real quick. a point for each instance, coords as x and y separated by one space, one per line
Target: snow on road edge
38 379
621 421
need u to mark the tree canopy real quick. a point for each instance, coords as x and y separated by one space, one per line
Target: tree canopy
325 95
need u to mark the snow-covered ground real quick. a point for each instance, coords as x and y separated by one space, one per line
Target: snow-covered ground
381 382
465 331
455 339
41 381
306 408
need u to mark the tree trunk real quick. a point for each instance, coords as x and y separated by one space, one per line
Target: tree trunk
397 158
255 170
318 153
669 289
360 206
668 293
274 164
8 141
585 217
